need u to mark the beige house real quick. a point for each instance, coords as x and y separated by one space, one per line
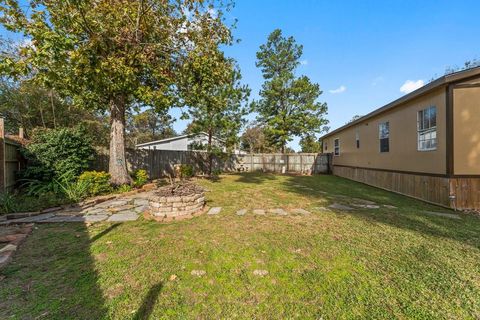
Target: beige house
425 144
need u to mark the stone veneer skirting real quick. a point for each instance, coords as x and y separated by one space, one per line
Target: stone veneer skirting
176 206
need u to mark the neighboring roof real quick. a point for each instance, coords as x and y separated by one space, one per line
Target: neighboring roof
175 138
442 81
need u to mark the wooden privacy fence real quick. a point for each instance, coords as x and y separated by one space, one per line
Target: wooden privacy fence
159 163
10 160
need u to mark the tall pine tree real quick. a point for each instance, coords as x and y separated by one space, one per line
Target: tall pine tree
288 104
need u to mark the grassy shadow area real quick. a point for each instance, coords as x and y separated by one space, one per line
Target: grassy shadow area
52 276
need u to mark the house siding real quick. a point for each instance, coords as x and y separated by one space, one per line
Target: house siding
466 119
403 155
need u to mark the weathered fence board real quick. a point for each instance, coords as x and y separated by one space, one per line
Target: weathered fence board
159 163
10 160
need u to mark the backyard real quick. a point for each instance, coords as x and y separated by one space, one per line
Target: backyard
374 255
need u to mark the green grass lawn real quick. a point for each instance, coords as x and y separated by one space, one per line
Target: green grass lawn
367 263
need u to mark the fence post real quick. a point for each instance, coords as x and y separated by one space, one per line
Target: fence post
2 155
301 163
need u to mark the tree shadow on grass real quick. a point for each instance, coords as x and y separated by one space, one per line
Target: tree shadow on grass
104 232
255 177
148 303
408 215
53 276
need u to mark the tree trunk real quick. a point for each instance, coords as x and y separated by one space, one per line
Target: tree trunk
210 154
117 166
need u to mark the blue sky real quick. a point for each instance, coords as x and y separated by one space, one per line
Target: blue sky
360 52
369 48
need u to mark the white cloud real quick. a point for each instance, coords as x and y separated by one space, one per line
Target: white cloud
411 85
340 89
304 62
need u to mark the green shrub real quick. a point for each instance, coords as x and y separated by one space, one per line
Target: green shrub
8 202
57 152
98 182
186 171
140 177
124 188
73 190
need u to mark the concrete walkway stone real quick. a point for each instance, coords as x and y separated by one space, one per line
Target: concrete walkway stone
389 206
214 210
121 217
300 211
278 211
260 212
338 206
241 212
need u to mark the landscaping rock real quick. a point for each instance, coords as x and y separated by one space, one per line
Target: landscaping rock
198 273
19 215
214 210
140 202
125 216
389 206
366 206
362 201
54 209
5 257
301 211
8 247
442 214
260 212
338 206
38 218
278 211
95 218
93 211
64 218
241 212
260 273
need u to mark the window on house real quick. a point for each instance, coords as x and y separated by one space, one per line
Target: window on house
384 136
427 129
326 145
336 147
357 139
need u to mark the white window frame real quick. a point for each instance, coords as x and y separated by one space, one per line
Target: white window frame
430 130
336 148
380 137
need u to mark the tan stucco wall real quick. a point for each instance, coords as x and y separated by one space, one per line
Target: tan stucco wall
466 139
403 155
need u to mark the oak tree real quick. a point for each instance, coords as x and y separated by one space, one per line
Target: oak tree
109 55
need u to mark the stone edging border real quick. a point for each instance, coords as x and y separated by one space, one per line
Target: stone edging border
83 204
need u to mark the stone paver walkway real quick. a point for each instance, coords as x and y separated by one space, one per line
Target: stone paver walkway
301 211
10 239
241 212
278 211
214 210
123 208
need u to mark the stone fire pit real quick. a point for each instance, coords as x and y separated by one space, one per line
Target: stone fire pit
177 202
